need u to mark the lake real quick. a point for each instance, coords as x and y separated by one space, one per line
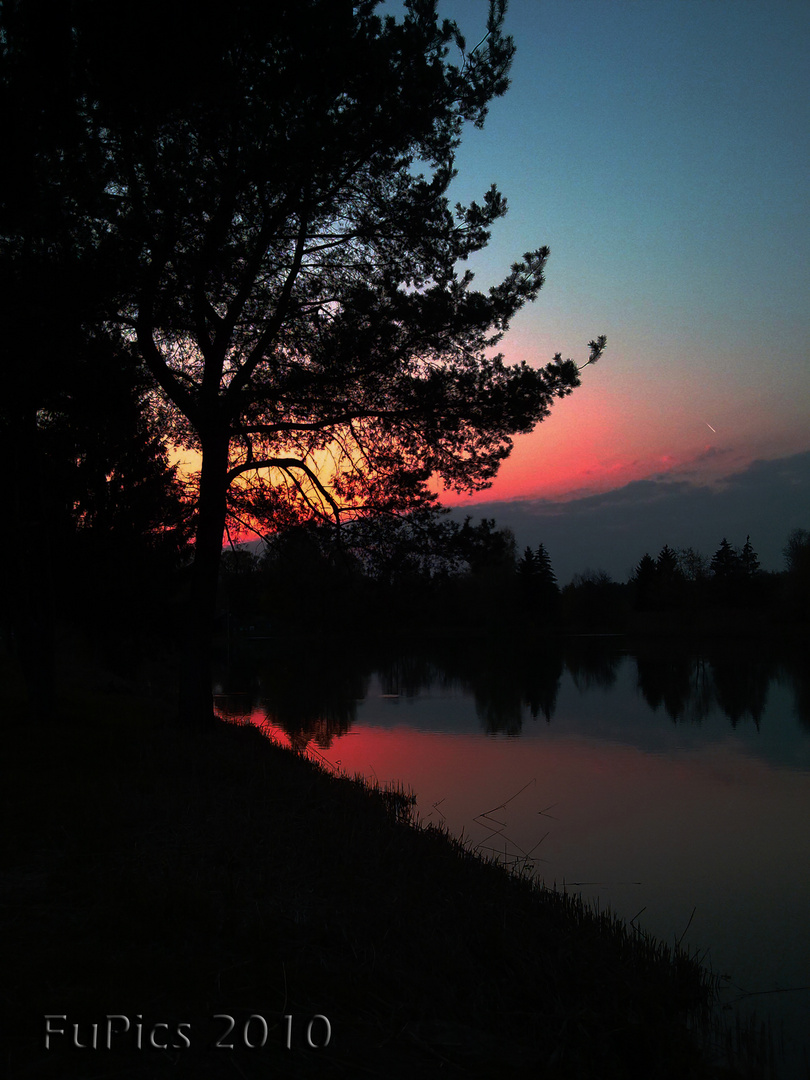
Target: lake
665 780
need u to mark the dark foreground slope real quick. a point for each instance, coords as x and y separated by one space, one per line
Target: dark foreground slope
177 882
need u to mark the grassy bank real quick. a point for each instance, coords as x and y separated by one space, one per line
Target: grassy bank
167 880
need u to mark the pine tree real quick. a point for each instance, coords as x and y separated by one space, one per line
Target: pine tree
726 563
539 594
749 559
545 571
644 580
527 565
667 564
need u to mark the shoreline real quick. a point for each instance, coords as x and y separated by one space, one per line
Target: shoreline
180 879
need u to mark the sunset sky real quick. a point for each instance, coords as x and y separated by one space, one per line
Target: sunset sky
661 148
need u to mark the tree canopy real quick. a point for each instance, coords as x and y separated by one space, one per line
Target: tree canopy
287 258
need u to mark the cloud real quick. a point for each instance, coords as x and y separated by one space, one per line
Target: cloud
613 529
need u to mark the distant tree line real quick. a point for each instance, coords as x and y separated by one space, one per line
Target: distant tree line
424 572
380 575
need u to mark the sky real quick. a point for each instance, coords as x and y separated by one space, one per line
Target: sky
661 149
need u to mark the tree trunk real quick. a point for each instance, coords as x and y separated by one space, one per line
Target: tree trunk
196 705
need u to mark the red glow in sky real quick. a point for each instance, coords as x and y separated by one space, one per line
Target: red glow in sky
670 178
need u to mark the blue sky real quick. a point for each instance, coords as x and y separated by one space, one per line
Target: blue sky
661 148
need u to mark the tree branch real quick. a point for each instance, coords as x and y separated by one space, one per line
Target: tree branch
152 356
329 421
245 372
287 465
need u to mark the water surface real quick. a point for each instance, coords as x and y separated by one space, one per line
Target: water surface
668 782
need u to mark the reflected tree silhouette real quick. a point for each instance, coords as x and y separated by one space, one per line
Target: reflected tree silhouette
408 675
690 681
702 698
541 680
313 697
796 671
498 704
504 681
671 680
592 663
741 685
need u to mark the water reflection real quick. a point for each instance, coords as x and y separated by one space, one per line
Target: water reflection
667 777
690 683
592 662
313 697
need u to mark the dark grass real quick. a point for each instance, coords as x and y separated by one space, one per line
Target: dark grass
155 874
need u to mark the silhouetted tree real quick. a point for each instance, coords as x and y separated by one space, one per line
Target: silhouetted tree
693 565
667 563
305 574
279 198
726 571
101 513
527 565
393 546
669 579
488 551
539 594
545 571
129 551
736 575
241 585
481 594
668 582
749 559
797 551
726 564
593 601
110 518
644 580
38 332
